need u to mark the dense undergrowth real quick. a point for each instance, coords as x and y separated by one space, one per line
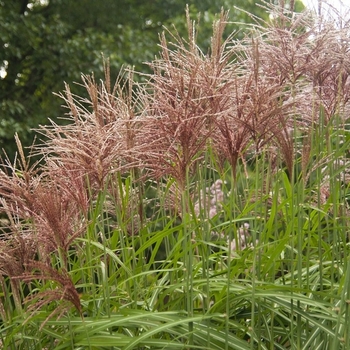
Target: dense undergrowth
206 208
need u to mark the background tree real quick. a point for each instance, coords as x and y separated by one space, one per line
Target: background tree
45 43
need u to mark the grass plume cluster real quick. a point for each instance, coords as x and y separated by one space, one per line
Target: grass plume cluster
204 208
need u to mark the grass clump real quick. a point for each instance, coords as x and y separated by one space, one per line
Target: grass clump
205 208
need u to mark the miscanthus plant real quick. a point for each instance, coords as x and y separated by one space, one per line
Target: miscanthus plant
206 208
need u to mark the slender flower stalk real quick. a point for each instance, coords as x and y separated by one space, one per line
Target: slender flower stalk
188 92
64 292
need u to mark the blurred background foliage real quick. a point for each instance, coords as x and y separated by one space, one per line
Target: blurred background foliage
45 43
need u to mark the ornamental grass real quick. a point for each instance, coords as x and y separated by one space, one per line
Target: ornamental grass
204 206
